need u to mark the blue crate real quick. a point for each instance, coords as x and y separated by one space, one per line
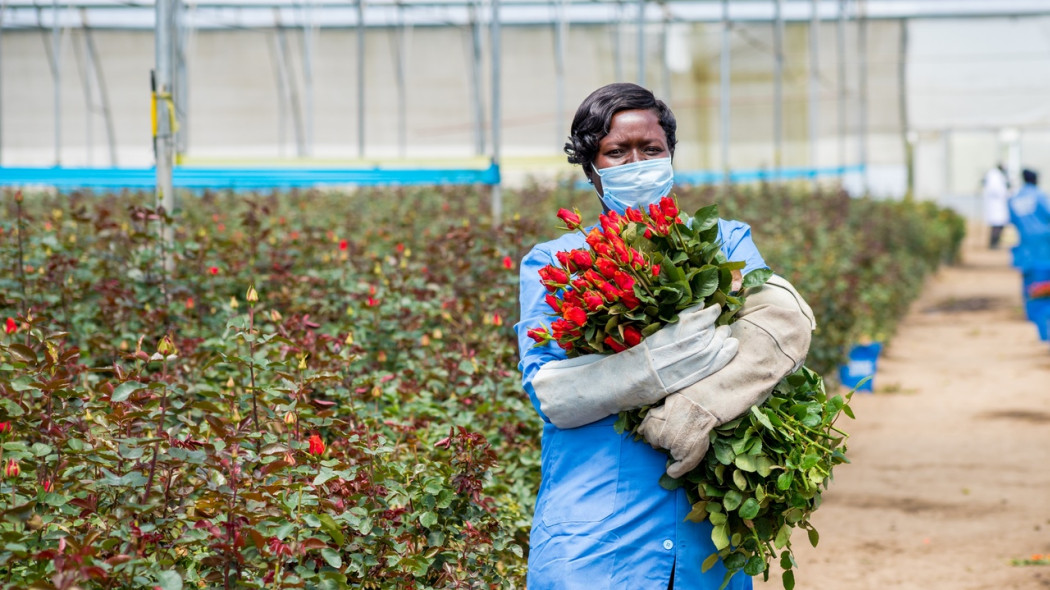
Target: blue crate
862 364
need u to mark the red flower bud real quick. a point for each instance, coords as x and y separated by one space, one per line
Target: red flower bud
553 301
572 298
5 427
631 336
593 278
343 245
571 218
575 315
563 259
629 299
10 326
656 270
669 207
593 300
508 263
581 258
540 335
635 215
624 280
609 290
316 445
607 267
555 275
613 344
12 469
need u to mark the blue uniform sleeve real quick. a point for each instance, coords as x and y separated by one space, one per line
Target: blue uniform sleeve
534 314
737 244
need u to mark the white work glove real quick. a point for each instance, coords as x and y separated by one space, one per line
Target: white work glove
578 391
774 329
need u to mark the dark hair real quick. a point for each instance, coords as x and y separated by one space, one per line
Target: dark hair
1030 176
595 114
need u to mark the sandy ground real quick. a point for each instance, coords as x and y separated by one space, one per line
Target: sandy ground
950 473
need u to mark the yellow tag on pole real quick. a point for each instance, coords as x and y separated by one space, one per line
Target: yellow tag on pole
153 113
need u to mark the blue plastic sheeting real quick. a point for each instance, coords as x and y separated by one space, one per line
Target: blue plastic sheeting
711 177
244 178
701 177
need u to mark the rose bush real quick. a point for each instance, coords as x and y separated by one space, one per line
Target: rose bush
358 420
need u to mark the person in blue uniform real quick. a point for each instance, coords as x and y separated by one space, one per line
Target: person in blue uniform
602 520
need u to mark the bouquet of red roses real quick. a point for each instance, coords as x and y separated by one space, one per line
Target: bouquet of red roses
764 471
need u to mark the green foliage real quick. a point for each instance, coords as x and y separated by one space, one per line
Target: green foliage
160 422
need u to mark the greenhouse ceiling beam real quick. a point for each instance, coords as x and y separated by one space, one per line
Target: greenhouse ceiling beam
223 14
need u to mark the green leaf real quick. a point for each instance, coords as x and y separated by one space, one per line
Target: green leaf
745 463
761 416
698 512
732 500
788 579
124 391
756 278
670 483
169 580
332 557
709 563
784 480
754 566
739 479
783 535
705 218
333 529
720 537
814 536
22 353
749 509
428 519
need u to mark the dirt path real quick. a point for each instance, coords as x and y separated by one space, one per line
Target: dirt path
950 477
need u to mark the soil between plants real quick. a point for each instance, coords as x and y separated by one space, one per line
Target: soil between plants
950 472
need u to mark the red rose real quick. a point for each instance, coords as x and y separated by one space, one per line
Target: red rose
554 275
593 300
635 215
12 469
613 344
10 326
553 301
607 267
610 291
575 315
631 336
563 259
571 218
540 335
668 207
629 299
623 280
316 445
508 263
581 258
656 270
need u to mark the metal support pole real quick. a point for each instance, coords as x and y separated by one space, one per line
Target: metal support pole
181 87
281 78
902 94
641 43
814 89
475 78
361 78
309 38
665 71
862 94
840 38
618 42
1 86
778 88
724 83
497 117
559 75
164 137
56 71
401 39
84 67
103 92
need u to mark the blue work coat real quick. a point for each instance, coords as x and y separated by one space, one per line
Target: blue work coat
602 520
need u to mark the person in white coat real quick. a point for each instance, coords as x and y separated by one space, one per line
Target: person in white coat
996 192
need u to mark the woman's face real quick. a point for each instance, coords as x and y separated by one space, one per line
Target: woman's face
633 136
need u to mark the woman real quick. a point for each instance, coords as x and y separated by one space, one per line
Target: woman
602 520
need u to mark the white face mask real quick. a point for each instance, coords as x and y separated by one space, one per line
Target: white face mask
635 185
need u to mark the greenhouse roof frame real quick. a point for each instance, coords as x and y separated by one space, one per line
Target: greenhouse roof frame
326 14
